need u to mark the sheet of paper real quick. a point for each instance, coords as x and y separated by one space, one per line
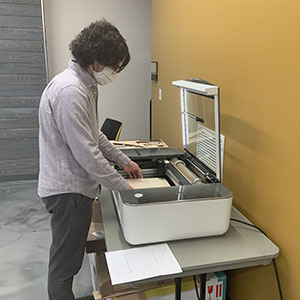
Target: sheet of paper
140 263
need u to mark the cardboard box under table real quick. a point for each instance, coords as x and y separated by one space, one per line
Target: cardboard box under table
95 241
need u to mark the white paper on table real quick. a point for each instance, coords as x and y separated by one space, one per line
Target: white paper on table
140 263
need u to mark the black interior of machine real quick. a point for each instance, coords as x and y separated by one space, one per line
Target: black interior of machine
166 168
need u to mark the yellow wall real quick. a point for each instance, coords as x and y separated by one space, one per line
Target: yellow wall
251 49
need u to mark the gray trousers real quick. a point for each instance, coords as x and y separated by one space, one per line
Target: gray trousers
70 222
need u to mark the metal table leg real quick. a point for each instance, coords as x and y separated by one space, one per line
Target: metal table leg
202 286
93 268
177 288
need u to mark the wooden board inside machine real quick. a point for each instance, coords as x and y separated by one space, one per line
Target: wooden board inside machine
145 183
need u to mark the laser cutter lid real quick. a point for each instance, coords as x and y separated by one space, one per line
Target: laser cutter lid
201 123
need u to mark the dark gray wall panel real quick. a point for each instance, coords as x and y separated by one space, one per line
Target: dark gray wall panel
20 10
24 80
19 57
35 2
18 133
19 177
21 46
18 112
22 68
20 154
18 144
19 167
21 22
19 102
19 123
15 91
16 155
4 164
7 33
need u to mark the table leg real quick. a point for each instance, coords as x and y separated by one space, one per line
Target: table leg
202 286
177 288
93 268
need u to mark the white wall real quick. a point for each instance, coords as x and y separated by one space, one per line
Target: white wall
127 98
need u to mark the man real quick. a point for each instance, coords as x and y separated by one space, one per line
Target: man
74 154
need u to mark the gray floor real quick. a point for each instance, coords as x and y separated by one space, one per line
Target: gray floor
25 238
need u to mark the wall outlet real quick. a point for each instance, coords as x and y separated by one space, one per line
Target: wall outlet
159 94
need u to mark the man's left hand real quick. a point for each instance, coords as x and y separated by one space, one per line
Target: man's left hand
133 170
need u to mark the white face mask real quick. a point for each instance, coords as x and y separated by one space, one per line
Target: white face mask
106 76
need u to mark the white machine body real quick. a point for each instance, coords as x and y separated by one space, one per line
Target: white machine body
191 201
174 220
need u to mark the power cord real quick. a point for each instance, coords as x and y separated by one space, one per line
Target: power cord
196 288
273 260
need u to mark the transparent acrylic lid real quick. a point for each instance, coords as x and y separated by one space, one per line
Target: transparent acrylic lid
200 123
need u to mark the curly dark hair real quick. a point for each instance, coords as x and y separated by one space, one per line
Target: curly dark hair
100 41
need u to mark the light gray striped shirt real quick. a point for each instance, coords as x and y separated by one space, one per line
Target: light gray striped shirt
74 153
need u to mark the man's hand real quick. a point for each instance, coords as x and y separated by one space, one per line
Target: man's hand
133 170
